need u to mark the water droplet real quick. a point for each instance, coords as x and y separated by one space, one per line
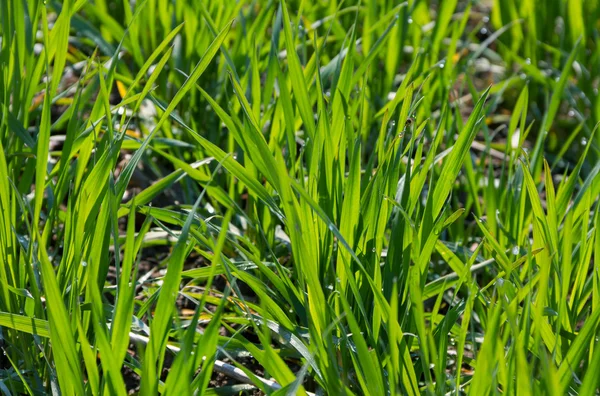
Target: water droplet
528 61
515 250
485 19
374 250
500 282
442 65
571 113
483 31
584 141
330 287
84 264
410 21
432 366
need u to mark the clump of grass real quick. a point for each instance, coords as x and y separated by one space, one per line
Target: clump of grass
306 198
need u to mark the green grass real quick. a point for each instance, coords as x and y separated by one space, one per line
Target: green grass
360 198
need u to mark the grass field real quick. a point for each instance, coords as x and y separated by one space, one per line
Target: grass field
299 197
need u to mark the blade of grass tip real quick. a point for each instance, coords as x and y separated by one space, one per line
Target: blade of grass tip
233 167
565 191
189 83
557 93
151 59
377 47
456 158
444 16
297 76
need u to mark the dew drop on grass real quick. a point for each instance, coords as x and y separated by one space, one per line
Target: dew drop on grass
374 250
515 250
84 264
583 141
571 113
483 31
330 287
528 61
410 21
442 65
